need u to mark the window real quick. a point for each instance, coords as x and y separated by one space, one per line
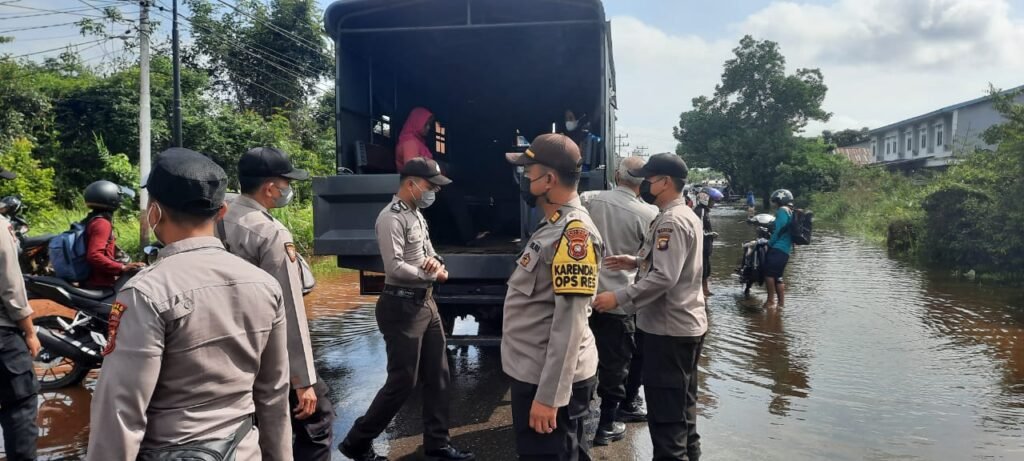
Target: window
938 136
924 140
439 139
874 149
382 126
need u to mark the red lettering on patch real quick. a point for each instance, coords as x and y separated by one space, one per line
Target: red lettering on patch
113 322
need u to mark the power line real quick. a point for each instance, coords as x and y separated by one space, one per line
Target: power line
301 41
63 47
38 27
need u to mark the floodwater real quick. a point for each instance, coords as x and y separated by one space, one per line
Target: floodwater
871 359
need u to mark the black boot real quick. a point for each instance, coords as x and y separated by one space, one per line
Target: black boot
632 411
359 453
449 453
609 432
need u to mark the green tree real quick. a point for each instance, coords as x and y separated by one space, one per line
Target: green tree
746 128
34 184
846 137
264 57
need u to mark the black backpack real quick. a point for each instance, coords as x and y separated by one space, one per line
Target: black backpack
801 223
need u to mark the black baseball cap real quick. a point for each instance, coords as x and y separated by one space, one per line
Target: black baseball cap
269 162
552 150
427 169
666 164
7 174
187 181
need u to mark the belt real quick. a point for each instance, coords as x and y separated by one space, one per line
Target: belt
8 329
415 294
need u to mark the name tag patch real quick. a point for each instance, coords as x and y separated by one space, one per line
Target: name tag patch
574 269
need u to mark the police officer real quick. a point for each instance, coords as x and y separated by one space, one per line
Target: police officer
669 302
546 345
407 317
196 347
622 219
18 345
251 233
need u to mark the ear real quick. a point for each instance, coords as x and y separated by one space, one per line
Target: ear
220 213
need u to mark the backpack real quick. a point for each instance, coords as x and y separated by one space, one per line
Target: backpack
801 223
67 254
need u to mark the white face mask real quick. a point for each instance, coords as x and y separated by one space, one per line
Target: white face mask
426 199
571 125
152 225
285 198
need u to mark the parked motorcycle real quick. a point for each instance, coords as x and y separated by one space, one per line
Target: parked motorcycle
34 257
71 347
751 270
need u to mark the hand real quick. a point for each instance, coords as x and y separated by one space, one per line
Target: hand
543 418
442 275
138 265
307 402
762 241
32 342
431 265
620 262
605 302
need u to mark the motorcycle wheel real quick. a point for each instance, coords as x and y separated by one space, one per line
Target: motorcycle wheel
54 371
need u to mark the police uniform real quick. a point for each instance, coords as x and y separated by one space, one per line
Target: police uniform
408 319
623 220
18 385
669 302
251 233
547 347
197 341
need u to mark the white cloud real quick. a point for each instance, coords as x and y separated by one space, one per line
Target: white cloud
882 60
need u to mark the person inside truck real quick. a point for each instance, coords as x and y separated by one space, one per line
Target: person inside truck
412 143
575 129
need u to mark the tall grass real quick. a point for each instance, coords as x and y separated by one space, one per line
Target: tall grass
869 200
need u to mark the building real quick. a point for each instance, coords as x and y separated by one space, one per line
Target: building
856 155
934 139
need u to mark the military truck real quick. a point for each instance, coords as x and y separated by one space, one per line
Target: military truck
494 73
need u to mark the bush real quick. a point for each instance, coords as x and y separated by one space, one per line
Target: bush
868 200
34 184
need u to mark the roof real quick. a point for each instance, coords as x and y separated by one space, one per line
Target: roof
856 155
943 110
364 15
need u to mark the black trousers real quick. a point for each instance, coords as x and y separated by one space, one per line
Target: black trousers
567 442
314 435
18 400
636 366
416 354
670 381
614 336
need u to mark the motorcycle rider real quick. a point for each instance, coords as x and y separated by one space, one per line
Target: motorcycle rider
18 345
103 198
779 248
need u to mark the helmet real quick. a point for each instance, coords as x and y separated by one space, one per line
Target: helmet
105 195
782 197
10 205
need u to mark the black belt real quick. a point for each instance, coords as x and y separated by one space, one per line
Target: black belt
415 294
14 330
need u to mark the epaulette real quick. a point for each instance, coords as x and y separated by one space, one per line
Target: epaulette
399 207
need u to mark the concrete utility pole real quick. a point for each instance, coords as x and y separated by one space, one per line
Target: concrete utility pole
620 142
176 76
144 120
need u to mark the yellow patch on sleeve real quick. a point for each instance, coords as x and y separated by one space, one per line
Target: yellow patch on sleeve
574 269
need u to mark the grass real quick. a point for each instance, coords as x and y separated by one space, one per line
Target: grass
869 201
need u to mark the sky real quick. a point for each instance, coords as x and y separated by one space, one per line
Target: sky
883 60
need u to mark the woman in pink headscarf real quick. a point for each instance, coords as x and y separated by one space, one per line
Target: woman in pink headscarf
412 141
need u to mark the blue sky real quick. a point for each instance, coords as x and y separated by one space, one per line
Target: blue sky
883 60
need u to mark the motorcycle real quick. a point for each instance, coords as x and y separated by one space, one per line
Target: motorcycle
72 347
750 270
34 256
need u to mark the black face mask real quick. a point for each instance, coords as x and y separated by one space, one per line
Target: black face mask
645 192
524 191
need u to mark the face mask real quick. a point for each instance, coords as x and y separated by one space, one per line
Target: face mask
571 125
152 224
524 191
645 192
426 199
285 198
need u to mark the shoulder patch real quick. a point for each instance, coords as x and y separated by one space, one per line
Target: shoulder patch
574 269
399 207
112 323
289 249
665 230
662 243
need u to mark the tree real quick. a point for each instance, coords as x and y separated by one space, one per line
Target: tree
847 137
264 60
746 128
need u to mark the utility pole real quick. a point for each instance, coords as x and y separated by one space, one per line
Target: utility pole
176 75
144 120
620 143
